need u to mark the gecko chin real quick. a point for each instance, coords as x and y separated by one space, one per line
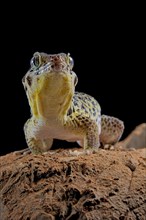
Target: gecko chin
53 94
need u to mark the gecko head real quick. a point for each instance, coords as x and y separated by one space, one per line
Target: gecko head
44 63
50 83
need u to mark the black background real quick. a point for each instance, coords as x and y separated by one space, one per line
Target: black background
107 48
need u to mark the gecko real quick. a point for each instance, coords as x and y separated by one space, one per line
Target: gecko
58 111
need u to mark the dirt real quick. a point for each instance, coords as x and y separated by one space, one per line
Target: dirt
108 184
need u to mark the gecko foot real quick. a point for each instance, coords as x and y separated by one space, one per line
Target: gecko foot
22 152
83 152
107 147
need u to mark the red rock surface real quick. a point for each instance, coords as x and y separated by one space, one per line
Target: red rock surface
137 138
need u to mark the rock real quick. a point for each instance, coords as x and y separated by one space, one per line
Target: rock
135 140
58 185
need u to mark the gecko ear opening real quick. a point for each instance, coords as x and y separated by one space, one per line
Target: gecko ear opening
75 80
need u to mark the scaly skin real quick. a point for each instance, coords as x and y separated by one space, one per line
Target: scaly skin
61 113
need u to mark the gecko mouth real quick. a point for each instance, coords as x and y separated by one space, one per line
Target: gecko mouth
52 67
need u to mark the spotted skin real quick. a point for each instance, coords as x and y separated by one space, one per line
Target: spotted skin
58 112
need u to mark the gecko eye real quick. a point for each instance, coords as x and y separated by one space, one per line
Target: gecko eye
71 62
36 60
